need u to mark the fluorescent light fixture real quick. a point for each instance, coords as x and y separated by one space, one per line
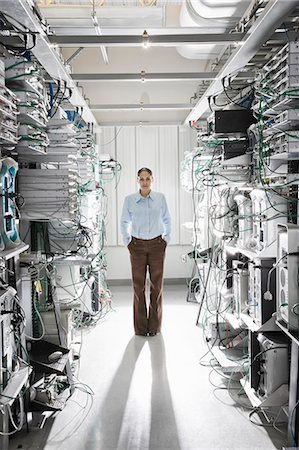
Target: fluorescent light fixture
99 33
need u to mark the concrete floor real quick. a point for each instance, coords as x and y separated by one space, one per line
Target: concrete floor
149 393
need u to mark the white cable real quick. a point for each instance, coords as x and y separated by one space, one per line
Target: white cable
17 427
271 270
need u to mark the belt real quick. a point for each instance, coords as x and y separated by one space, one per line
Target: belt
147 240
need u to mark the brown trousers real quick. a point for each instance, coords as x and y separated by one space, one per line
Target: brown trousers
147 254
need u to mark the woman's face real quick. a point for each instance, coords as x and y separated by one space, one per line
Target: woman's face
145 181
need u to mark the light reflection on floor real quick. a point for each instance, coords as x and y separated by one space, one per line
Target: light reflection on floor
149 393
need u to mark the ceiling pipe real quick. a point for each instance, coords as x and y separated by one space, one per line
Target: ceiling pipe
262 29
220 17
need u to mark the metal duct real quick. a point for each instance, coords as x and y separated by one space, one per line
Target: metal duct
209 16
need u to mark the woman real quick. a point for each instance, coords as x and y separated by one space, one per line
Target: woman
145 227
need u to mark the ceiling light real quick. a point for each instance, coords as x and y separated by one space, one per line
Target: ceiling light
145 39
142 76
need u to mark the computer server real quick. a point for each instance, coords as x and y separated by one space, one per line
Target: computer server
260 279
287 275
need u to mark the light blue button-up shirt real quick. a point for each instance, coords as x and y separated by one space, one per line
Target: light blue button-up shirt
145 217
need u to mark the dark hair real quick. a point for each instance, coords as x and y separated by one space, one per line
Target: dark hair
144 169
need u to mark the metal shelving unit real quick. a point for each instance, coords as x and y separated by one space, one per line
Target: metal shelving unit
46 53
12 252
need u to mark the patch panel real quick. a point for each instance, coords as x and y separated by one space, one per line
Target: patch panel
279 103
49 193
285 120
8 117
32 108
287 143
32 137
281 80
19 68
285 57
24 77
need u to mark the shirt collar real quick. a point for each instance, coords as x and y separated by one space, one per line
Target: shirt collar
139 197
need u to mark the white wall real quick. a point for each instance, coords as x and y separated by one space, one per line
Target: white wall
162 150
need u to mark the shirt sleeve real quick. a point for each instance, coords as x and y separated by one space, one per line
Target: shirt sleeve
125 223
166 220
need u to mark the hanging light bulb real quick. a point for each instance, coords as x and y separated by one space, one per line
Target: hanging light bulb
145 39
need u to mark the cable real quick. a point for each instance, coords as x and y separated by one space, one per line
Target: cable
42 324
22 415
272 269
250 96
113 139
12 27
